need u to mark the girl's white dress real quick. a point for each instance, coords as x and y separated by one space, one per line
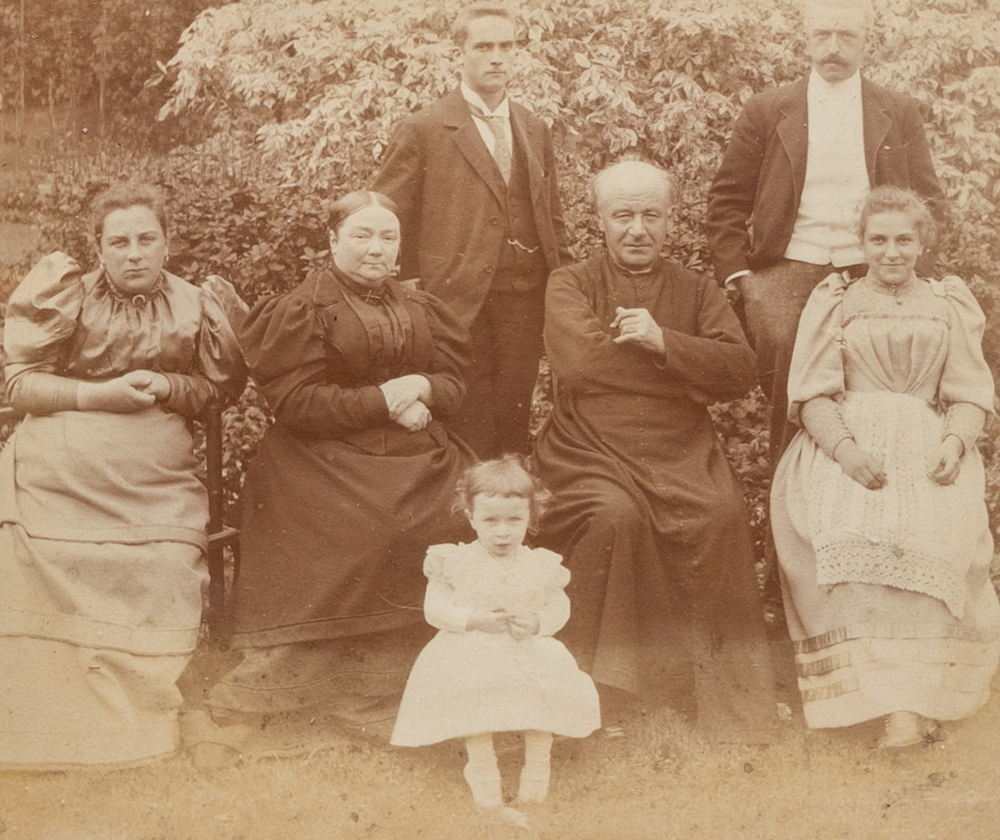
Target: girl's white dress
470 682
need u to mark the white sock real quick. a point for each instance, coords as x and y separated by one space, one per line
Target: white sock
482 772
537 766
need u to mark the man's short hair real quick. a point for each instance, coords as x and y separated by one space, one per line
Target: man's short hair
669 179
474 11
809 7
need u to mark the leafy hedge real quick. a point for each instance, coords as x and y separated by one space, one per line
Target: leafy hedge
287 104
85 64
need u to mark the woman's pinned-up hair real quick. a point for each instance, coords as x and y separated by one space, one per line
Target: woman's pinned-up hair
125 194
354 201
889 199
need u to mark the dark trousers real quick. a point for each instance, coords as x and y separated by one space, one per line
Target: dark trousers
506 347
773 300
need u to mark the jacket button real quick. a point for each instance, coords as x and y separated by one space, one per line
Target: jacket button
494 220
488 269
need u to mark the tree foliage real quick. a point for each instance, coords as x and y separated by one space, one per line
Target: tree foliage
287 104
320 85
85 57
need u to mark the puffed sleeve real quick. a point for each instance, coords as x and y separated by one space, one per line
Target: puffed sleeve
283 339
451 354
41 314
555 612
441 610
233 305
222 372
817 367
966 377
966 389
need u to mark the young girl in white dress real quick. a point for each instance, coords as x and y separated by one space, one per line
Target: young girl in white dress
494 666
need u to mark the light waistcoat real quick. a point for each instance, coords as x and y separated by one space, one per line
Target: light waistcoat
836 180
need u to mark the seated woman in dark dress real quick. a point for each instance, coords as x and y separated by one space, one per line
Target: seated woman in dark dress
351 484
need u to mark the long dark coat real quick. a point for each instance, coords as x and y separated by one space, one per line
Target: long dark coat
647 511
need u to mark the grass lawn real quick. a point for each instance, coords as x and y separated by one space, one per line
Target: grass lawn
652 779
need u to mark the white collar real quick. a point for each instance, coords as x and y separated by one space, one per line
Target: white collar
848 88
473 98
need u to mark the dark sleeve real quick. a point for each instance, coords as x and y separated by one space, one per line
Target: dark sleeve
283 338
401 177
732 194
717 361
555 203
716 364
922 178
451 355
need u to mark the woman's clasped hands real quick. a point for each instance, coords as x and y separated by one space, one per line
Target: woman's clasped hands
868 472
949 460
125 394
407 397
860 465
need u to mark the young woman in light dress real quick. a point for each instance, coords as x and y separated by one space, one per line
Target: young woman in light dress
877 506
102 514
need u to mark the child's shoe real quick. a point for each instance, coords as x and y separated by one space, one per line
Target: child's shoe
534 782
484 782
902 729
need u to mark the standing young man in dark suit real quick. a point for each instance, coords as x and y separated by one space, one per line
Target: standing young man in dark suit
474 178
784 206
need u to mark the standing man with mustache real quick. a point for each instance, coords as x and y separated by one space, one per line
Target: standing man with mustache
474 178
784 206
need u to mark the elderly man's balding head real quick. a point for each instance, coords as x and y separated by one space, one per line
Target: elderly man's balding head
633 172
634 202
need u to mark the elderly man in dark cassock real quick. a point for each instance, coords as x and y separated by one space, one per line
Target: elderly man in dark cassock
647 511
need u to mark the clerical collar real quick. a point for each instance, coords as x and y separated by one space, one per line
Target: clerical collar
656 266
845 89
473 98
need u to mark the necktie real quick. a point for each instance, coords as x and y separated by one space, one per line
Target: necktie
501 151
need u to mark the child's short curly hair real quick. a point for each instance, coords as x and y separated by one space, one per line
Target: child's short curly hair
509 476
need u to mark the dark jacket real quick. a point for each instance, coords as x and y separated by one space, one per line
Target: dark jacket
764 169
451 201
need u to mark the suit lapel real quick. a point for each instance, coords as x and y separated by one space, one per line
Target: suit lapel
876 123
520 128
470 143
793 131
